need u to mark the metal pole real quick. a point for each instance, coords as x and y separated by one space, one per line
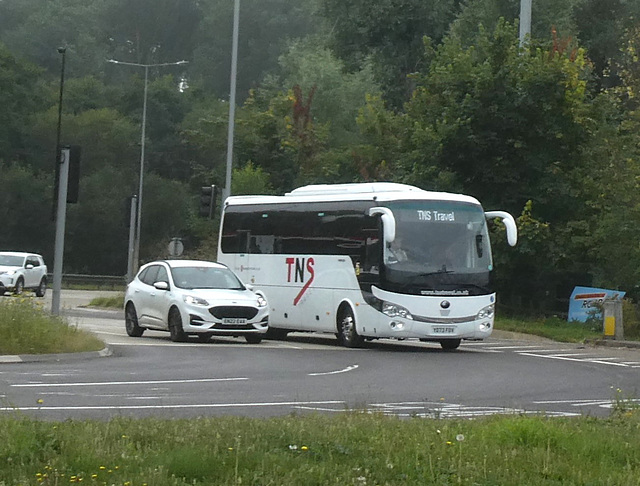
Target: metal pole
136 249
232 99
59 204
61 50
525 20
60 226
133 204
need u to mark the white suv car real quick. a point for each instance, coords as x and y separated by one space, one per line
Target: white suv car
20 271
191 297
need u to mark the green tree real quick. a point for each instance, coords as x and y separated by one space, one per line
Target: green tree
25 210
21 94
265 28
389 33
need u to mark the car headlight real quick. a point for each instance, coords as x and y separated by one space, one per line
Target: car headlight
8 272
262 302
190 299
393 310
486 313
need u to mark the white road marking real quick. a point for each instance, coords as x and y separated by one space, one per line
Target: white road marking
179 406
136 383
348 368
566 358
511 347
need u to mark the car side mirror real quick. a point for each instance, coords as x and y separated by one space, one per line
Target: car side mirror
161 285
29 266
249 286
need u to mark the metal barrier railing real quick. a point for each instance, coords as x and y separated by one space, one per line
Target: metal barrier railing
111 282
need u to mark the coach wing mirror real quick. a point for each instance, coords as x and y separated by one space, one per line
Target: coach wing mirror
388 222
509 224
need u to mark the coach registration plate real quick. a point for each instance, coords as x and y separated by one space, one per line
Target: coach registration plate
443 330
234 320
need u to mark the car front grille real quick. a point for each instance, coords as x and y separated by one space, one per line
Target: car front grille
237 311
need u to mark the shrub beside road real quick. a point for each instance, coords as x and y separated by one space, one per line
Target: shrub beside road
25 328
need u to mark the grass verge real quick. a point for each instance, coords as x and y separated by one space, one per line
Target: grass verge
26 329
116 301
552 328
347 449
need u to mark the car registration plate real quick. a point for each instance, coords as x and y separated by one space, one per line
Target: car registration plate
443 330
234 320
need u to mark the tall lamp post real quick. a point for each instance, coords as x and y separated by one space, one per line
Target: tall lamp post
525 20
58 216
232 98
136 249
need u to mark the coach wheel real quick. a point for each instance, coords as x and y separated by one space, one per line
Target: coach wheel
175 326
450 344
131 321
347 334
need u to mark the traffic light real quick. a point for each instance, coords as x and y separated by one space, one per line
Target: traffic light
208 201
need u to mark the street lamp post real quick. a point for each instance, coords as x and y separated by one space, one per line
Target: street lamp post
232 98
136 248
525 20
61 174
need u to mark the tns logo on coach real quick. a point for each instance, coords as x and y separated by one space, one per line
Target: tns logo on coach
300 270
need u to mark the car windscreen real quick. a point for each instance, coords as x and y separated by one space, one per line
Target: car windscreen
205 278
11 260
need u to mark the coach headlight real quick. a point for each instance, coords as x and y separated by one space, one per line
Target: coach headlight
192 300
394 310
486 313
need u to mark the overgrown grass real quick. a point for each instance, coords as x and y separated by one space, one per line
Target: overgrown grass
26 329
116 301
552 328
347 449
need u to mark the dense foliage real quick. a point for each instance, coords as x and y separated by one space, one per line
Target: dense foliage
439 94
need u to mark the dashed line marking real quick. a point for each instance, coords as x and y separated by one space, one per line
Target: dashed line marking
176 406
135 383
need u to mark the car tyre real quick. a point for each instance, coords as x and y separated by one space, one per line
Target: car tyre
131 321
175 326
19 288
42 288
253 338
204 337
450 344
347 334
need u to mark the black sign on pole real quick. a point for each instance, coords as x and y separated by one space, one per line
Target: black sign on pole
74 174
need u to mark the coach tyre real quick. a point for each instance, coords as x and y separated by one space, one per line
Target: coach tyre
42 288
175 326
131 321
347 334
450 344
